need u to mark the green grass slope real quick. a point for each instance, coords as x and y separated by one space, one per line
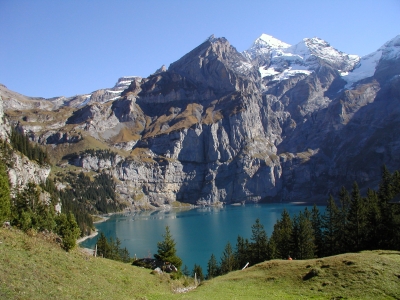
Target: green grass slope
35 267
366 275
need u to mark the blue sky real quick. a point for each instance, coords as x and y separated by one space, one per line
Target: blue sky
62 48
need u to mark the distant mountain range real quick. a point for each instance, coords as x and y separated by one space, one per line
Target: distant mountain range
277 122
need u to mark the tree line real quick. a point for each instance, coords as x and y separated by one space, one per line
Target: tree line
86 196
349 224
20 141
111 249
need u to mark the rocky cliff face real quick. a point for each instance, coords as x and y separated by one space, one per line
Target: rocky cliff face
275 123
3 123
21 171
24 171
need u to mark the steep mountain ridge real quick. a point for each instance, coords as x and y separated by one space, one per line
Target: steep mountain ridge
274 123
16 101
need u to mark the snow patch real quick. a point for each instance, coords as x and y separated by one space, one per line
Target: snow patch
293 70
112 99
86 101
366 68
115 92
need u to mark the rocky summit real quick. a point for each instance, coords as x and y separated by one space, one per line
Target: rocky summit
277 122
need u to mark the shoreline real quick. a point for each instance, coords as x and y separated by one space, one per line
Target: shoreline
103 219
95 233
80 240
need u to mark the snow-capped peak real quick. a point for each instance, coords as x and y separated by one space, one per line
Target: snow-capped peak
275 57
319 48
391 49
124 82
310 46
368 63
270 42
262 48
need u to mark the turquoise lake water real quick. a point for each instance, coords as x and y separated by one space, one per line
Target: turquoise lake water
198 232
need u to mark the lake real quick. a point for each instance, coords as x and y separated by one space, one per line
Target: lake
198 232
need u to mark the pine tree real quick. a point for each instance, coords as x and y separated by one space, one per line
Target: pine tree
395 209
357 220
386 193
259 244
343 242
295 237
29 212
272 249
228 261
124 255
198 271
386 189
103 248
303 236
114 248
330 227
5 204
242 253
167 251
282 235
212 267
186 271
373 221
68 229
316 221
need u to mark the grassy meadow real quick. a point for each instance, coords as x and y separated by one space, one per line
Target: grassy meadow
33 266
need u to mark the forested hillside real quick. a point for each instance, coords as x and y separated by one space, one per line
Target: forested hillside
33 206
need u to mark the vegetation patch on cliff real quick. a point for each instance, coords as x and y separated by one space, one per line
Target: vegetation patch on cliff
170 122
125 135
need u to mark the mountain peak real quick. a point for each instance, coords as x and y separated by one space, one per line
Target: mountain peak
211 38
316 41
391 49
163 68
268 41
260 52
395 42
317 47
310 46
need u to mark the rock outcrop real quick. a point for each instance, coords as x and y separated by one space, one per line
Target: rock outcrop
24 171
21 170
